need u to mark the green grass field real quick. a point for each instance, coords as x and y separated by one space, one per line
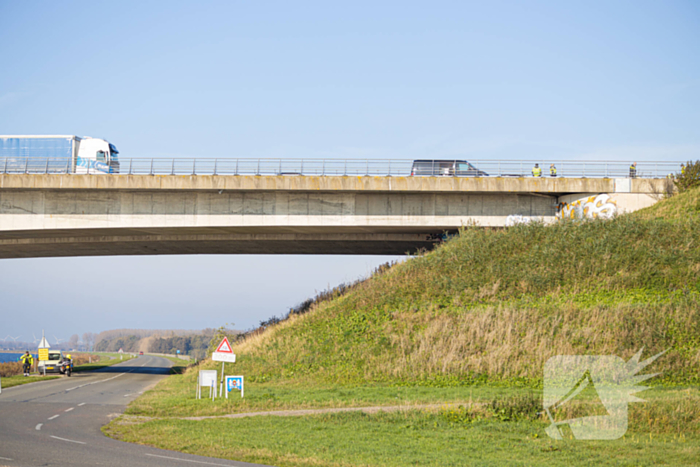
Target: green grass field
10 381
443 437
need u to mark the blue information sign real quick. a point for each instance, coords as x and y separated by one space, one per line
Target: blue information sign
234 383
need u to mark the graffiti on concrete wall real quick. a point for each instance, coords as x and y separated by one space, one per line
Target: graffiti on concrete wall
592 207
515 219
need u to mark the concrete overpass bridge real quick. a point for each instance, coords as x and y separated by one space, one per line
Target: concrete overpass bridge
47 215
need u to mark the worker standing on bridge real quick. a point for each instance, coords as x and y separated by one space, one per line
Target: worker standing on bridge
633 170
27 362
536 171
682 169
552 171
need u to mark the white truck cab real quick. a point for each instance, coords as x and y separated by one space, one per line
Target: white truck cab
96 154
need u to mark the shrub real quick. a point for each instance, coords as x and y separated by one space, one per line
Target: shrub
688 178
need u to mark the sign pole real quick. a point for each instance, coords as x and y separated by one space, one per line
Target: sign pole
221 384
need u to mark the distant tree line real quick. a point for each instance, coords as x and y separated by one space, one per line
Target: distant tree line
195 346
158 341
126 343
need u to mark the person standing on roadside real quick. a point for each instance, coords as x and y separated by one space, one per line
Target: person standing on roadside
536 171
27 362
552 171
633 170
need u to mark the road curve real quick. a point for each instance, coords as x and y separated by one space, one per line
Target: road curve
58 422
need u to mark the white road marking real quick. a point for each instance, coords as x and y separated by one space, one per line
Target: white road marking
188 460
6 458
100 381
69 440
55 416
38 427
81 404
68 410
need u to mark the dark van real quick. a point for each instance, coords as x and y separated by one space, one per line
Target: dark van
445 168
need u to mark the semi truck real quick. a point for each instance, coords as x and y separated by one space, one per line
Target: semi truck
57 154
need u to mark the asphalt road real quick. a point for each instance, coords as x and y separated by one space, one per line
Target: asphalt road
58 422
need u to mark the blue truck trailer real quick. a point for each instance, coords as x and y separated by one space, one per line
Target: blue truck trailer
57 154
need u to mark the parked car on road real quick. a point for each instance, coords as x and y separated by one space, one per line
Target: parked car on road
57 363
445 168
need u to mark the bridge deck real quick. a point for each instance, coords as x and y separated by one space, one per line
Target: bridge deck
547 185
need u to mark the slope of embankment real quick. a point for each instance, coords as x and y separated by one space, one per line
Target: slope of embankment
451 346
495 304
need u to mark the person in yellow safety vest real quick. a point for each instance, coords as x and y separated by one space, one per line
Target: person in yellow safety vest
552 171
27 362
536 171
633 170
682 169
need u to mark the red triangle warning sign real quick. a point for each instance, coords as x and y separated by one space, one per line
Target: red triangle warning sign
224 347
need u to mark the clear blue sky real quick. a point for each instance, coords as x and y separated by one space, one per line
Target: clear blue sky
482 80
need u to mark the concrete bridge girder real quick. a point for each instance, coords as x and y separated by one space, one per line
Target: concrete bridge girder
71 215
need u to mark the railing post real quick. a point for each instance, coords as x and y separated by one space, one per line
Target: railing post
236 167
172 168
26 165
390 167
151 167
345 168
5 171
367 171
194 167
279 172
47 166
323 167
131 161
301 169
215 162
258 171
606 170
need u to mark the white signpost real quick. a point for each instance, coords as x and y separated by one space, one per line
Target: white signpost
43 351
206 378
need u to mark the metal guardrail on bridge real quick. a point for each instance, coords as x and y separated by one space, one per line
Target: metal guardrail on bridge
351 167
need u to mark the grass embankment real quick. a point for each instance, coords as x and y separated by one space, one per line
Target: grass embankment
475 319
